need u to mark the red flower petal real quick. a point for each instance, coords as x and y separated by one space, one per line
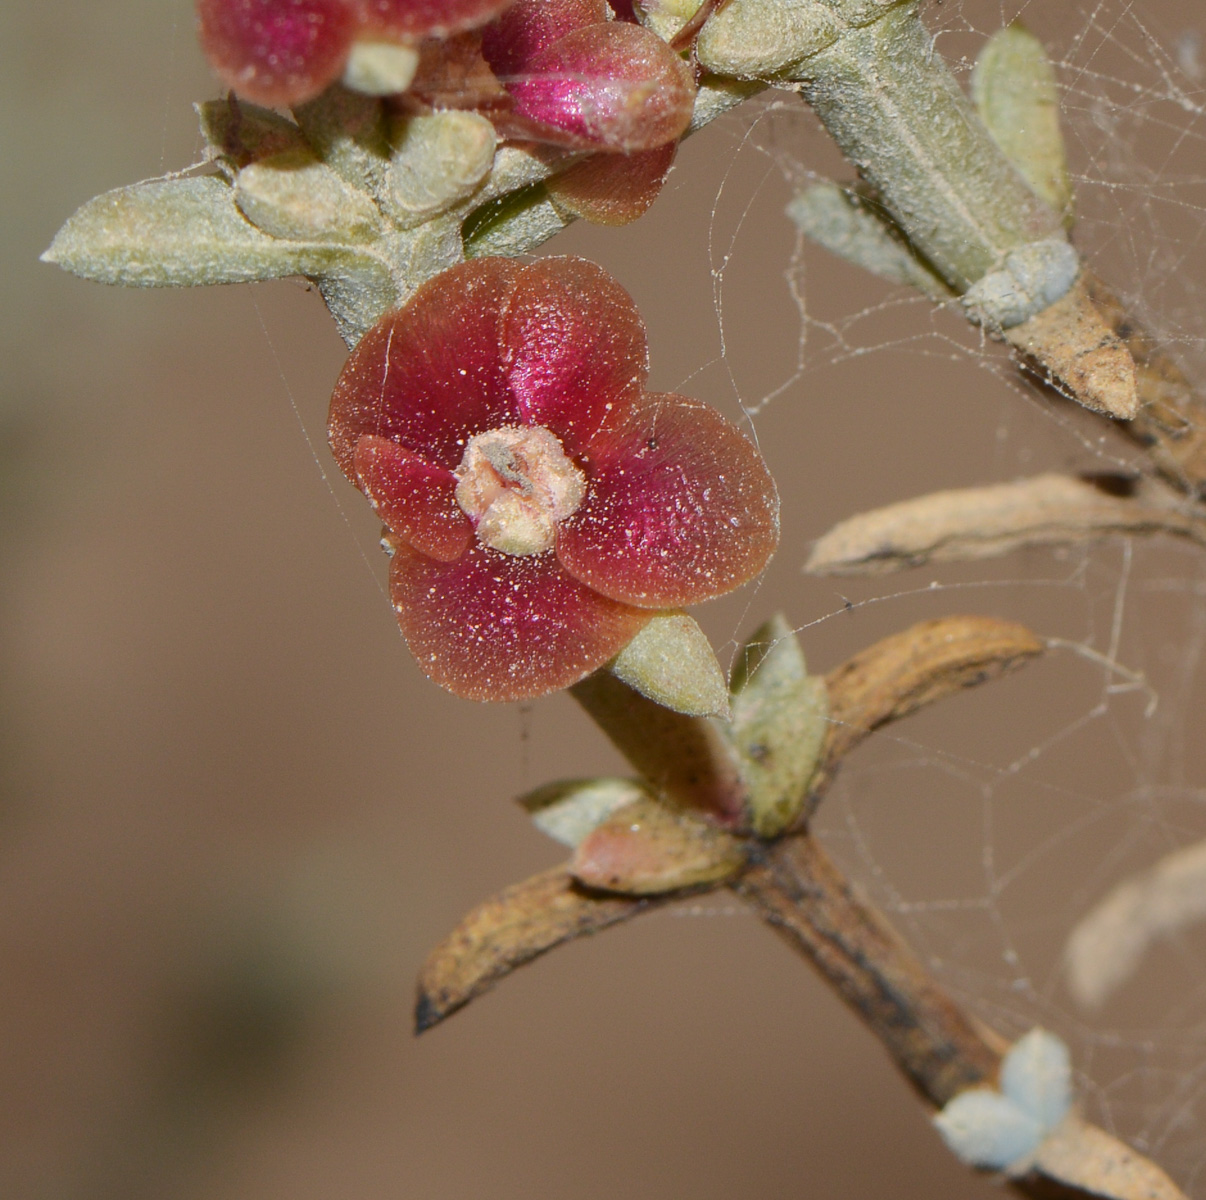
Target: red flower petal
613 189
530 25
430 375
414 20
680 508
576 348
493 626
276 51
416 500
618 86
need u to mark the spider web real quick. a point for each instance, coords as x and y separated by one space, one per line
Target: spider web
989 828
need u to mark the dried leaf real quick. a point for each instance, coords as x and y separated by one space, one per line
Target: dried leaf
569 810
509 930
972 523
671 662
1107 946
1171 425
1082 1156
647 849
1071 343
903 672
186 232
780 718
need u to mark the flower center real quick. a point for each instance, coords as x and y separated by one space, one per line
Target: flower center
515 483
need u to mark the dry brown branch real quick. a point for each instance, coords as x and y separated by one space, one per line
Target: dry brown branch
799 892
942 1051
887 681
795 888
985 522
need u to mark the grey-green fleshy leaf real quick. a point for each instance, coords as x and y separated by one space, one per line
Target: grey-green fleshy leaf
758 39
567 811
845 225
438 160
295 197
1016 95
184 233
672 663
780 717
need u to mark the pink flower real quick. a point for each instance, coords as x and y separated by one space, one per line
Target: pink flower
287 51
580 79
542 506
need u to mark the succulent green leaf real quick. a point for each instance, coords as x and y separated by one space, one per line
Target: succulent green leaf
672 662
1016 95
437 161
296 197
847 225
183 233
570 809
758 39
780 717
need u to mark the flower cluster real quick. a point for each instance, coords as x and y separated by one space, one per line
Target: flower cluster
540 505
572 75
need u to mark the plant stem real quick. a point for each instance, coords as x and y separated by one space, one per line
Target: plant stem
889 101
802 895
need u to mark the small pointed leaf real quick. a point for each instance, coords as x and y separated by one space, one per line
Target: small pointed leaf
295 197
1015 92
182 233
845 225
985 1129
780 720
1036 1075
672 662
569 810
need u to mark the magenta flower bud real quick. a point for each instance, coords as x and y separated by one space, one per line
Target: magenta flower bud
284 52
528 26
580 80
542 506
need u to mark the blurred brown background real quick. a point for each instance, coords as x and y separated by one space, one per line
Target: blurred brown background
234 817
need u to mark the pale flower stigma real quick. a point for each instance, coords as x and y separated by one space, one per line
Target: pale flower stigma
516 483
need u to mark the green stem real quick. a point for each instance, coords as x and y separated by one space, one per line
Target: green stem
888 100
